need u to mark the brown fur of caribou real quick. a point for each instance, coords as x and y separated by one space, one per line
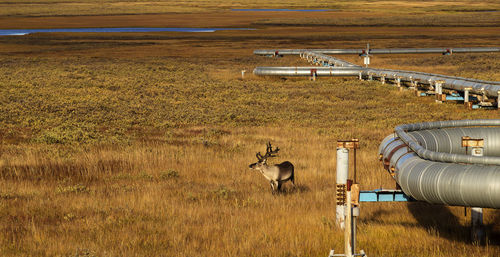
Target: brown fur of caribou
277 174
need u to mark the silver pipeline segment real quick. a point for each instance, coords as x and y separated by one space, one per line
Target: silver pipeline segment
379 51
428 162
487 88
450 141
389 72
319 57
306 71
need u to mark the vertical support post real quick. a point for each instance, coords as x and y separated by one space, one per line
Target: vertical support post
413 84
398 83
355 215
498 100
467 102
439 91
343 147
344 198
370 76
347 231
243 74
477 228
476 213
360 76
382 79
342 174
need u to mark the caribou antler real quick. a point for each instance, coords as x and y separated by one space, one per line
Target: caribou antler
269 153
259 157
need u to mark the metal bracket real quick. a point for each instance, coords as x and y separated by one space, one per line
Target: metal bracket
384 195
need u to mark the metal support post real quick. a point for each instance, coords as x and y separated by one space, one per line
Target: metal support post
476 214
498 100
413 84
347 231
342 174
243 74
467 102
343 147
398 83
355 215
439 91
360 76
382 79
314 74
477 228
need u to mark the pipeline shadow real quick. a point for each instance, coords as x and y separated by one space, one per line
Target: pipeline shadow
439 218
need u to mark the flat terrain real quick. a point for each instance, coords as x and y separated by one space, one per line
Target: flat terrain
138 144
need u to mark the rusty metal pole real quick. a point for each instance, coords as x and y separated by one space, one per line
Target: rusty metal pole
347 232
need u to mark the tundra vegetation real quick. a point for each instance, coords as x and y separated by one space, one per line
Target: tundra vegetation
138 144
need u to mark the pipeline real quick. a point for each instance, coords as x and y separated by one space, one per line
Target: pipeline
326 60
379 51
480 87
428 162
306 71
487 88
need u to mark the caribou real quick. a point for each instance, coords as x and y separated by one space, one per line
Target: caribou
277 174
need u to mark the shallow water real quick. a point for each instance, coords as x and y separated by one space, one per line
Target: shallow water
283 10
13 32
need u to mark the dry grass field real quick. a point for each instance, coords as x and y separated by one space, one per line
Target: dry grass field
138 144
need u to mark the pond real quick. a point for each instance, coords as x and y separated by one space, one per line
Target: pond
12 32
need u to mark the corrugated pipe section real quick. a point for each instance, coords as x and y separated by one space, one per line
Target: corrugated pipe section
378 51
429 163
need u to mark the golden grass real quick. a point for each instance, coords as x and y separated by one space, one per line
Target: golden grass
138 144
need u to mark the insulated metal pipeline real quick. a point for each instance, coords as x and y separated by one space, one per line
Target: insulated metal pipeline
326 59
379 51
307 71
393 73
429 163
487 88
